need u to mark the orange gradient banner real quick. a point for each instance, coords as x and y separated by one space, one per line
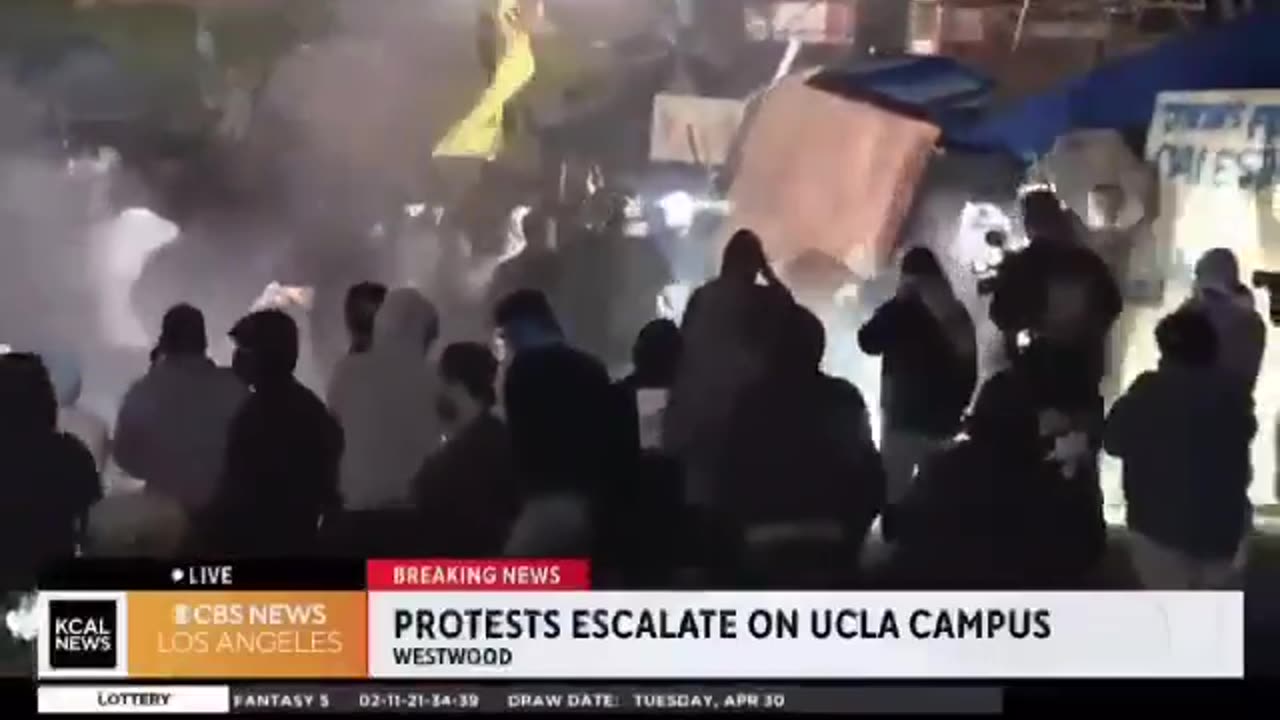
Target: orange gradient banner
247 634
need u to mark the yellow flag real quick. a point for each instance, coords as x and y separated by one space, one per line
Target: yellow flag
479 134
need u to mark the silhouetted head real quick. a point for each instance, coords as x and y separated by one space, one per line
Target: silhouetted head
524 320
468 372
266 348
1218 270
1044 217
182 332
744 257
361 306
30 406
920 262
1186 338
920 268
802 344
656 353
1004 414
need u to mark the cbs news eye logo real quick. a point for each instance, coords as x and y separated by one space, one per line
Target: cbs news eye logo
83 635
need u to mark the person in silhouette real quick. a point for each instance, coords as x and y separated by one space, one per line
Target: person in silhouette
1183 433
174 422
730 329
468 491
930 367
385 401
800 474
280 477
53 480
568 427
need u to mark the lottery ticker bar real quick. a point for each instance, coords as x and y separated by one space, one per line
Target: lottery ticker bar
384 698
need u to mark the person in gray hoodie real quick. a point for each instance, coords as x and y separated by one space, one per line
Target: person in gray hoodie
1230 308
1183 433
385 401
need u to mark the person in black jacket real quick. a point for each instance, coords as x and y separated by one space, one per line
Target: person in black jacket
280 477
1183 432
800 476
467 491
990 511
1061 300
1060 297
926 338
51 475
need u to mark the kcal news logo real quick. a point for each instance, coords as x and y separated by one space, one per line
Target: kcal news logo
84 635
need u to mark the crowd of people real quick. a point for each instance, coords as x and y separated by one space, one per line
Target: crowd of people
727 457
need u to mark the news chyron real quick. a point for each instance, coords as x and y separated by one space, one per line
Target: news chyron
204 621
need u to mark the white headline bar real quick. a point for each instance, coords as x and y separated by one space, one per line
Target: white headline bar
719 635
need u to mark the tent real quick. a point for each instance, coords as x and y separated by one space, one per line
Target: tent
826 172
1121 95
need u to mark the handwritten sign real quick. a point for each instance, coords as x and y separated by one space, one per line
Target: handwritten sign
1220 139
694 130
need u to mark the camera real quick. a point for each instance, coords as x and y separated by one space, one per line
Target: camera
989 274
1270 281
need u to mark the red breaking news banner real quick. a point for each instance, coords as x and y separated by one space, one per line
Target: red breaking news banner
473 575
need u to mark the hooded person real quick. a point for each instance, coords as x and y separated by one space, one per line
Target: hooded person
730 326
280 477
385 401
929 371
173 424
1229 307
800 474
569 431
53 478
88 428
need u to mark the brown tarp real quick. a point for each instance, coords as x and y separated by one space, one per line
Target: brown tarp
823 172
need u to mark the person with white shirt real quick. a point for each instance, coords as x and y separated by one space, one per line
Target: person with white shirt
172 429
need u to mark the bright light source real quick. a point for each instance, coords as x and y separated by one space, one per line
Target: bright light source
23 622
678 209
672 301
415 210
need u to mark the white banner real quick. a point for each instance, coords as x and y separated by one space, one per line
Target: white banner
1224 139
722 635
694 130
1217 154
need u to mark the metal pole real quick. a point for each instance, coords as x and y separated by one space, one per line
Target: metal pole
1022 20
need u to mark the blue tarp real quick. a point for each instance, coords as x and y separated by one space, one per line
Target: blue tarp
941 89
1121 95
